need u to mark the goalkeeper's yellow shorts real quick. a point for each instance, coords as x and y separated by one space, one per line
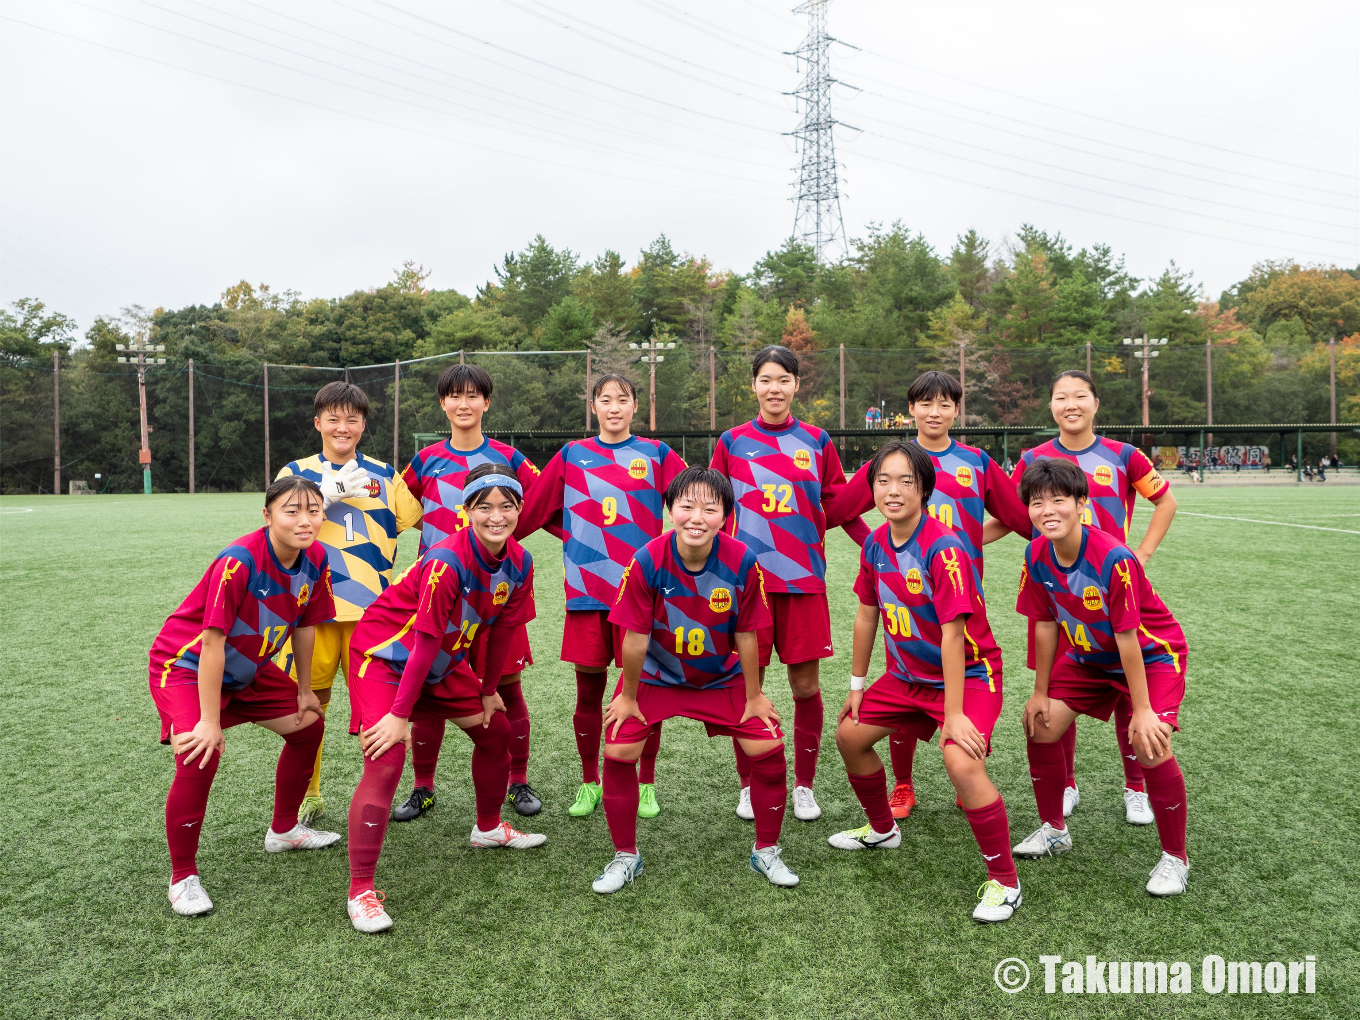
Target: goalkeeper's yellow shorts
329 654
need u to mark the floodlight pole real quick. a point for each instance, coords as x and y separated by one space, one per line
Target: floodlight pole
141 349
1146 360
191 426
56 423
651 358
1331 354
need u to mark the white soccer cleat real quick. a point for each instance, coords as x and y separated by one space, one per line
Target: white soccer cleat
506 835
744 810
1170 877
805 807
767 861
996 902
865 838
366 912
1071 798
1137 810
617 873
1045 841
188 897
299 837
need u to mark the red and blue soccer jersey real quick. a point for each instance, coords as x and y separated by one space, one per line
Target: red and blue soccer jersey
610 496
1115 472
455 592
436 476
780 475
1103 593
692 618
918 588
253 599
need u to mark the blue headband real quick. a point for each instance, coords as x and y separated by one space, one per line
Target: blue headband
494 482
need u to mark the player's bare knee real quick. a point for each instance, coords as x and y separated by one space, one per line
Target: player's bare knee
624 752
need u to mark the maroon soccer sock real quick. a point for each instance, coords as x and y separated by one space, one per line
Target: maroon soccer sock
517 713
769 794
1047 767
369 811
992 831
1068 743
1166 794
743 764
490 768
647 763
902 750
1133 772
294 772
808 717
621 803
587 722
185 806
427 737
873 797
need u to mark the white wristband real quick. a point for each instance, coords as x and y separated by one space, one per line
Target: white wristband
857 683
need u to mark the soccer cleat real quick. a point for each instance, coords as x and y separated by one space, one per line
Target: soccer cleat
805 807
1170 877
1045 841
506 835
903 799
299 837
366 912
744 810
767 861
588 798
1071 798
523 799
617 873
647 805
997 902
422 799
1137 810
311 809
865 838
188 897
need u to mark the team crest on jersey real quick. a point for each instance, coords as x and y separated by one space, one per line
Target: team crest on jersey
964 476
720 600
914 584
637 468
501 595
802 460
1090 598
1104 475
374 488
303 592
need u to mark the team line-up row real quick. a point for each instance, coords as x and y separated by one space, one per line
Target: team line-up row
692 616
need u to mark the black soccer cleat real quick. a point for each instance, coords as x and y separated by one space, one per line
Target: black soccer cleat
421 800
523 799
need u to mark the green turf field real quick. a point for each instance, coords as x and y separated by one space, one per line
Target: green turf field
85 928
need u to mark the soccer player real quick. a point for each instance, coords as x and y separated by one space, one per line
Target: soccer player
436 476
366 506
1115 473
690 604
944 669
609 492
411 659
1121 642
967 482
782 471
211 669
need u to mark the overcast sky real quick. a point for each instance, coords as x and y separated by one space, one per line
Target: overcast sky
157 151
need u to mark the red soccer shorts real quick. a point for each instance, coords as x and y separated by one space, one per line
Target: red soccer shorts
589 639
516 658
273 694
371 695
801 631
719 709
895 704
1095 692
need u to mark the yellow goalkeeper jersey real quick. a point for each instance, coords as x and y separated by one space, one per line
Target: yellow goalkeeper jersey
360 534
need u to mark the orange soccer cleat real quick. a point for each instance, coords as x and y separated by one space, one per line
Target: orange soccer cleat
903 799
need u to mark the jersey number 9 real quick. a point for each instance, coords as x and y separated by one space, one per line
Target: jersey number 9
610 506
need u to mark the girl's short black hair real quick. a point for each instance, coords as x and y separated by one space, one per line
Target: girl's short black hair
621 381
781 356
1075 373
480 497
340 396
287 485
459 378
1053 476
715 482
932 385
921 467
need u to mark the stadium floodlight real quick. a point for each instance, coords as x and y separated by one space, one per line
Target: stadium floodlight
1128 340
633 347
122 361
144 355
651 359
119 347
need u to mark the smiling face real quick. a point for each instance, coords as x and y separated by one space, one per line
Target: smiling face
934 416
493 519
1073 405
341 429
698 517
614 408
896 492
293 520
774 387
465 409
1056 515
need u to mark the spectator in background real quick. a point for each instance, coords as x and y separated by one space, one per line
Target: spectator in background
1322 468
1265 459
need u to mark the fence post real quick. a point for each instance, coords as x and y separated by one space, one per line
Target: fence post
1299 465
1331 354
267 478
56 423
842 397
461 360
396 415
1088 357
712 388
191 426
587 392
963 391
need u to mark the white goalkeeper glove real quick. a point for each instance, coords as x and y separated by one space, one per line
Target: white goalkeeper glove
350 481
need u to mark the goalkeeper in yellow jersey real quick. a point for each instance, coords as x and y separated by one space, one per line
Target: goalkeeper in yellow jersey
366 506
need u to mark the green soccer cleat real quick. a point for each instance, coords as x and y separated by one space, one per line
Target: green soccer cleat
311 809
588 798
647 805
